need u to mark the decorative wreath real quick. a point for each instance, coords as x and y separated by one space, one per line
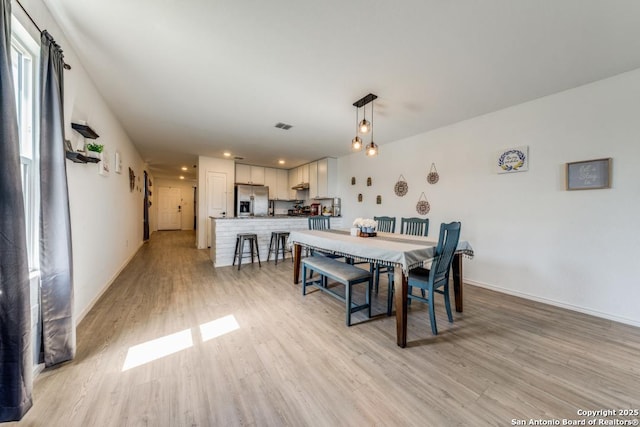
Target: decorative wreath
432 176
423 207
512 167
401 188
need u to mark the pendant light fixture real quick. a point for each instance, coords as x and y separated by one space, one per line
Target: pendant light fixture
356 143
372 148
364 126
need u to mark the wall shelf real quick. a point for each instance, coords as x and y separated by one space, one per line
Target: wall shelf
76 157
85 130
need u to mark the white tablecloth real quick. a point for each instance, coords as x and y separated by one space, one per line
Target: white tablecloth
386 249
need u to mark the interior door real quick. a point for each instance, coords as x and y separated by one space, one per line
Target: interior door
216 192
169 208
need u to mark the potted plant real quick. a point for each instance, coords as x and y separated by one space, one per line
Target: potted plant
94 150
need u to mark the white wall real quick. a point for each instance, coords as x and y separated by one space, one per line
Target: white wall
210 164
106 218
576 249
186 192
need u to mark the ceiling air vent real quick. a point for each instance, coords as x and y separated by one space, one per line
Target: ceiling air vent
238 158
283 126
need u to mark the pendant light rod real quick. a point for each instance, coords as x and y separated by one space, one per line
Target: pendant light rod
365 100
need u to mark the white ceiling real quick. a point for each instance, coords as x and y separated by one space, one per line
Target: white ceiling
199 77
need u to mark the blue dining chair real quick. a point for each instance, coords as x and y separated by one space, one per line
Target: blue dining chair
414 226
436 278
386 224
320 223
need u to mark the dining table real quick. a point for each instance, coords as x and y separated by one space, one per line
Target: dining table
400 251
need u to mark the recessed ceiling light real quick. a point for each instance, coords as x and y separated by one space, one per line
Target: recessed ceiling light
281 162
227 154
184 168
181 177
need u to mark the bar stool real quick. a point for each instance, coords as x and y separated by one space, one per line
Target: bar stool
279 240
253 247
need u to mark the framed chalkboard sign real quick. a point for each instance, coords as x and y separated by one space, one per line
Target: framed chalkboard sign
589 174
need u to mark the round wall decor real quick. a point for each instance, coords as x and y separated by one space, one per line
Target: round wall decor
423 207
401 188
432 176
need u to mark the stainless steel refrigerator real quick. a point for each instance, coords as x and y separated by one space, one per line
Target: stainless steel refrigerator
251 200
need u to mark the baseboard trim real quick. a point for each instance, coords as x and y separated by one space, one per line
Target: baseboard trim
571 307
107 285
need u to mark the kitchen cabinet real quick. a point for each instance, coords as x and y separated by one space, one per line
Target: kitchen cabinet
257 175
313 180
271 181
327 177
278 182
247 174
293 180
282 177
303 174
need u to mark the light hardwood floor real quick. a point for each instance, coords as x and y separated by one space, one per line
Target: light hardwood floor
293 362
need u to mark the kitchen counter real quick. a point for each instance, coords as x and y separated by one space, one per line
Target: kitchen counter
224 231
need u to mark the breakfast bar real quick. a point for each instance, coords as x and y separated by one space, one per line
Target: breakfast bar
225 230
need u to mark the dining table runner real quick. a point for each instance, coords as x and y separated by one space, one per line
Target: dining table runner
388 249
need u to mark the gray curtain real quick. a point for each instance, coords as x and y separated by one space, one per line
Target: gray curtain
58 329
16 362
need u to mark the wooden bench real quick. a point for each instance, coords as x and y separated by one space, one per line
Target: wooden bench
346 274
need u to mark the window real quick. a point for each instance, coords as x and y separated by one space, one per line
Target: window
24 59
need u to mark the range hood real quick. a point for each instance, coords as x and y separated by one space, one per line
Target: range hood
301 186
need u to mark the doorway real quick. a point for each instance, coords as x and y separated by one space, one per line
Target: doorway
169 208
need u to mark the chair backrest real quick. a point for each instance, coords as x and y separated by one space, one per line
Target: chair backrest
447 244
319 223
386 224
414 226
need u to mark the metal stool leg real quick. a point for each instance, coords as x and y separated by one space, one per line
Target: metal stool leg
271 248
255 238
235 252
241 252
278 238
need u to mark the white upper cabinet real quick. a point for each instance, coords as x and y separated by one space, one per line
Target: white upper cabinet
278 182
304 173
283 184
313 180
320 175
243 174
246 174
257 175
271 181
327 177
293 180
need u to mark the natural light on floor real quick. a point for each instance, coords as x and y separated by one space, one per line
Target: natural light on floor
155 349
218 327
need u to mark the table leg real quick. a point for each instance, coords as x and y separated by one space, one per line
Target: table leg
401 289
457 281
297 252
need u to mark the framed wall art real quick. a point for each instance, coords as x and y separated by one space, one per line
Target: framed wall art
513 160
103 166
117 163
589 174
